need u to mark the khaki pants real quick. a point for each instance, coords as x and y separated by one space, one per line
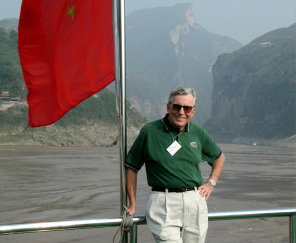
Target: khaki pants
177 217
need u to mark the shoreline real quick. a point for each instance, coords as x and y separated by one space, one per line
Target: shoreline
106 135
108 141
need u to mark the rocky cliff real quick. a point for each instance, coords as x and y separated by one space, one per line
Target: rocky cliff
254 89
167 49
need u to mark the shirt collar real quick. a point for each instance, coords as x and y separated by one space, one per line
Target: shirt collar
169 127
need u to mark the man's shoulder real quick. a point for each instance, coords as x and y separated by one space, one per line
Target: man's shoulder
195 127
202 134
153 125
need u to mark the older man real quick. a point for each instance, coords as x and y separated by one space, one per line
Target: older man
172 149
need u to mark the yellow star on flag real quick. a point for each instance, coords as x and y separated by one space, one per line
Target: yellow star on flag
71 11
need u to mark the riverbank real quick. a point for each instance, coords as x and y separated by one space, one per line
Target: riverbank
289 142
105 135
94 135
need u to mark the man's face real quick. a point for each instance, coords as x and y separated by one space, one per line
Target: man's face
179 118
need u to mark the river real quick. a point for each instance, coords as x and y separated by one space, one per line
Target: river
40 183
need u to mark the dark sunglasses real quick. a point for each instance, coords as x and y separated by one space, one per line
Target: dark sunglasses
187 109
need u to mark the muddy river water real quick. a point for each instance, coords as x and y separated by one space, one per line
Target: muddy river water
66 183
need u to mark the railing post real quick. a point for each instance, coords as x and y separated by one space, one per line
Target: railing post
293 228
133 233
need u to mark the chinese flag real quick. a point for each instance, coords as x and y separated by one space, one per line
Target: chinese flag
67 54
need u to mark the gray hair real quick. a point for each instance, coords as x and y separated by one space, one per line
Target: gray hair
183 91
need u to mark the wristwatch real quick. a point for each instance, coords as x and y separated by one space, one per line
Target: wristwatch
212 182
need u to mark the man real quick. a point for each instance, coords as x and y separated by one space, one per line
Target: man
172 149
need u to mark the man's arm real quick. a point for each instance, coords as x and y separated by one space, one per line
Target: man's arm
131 187
206 189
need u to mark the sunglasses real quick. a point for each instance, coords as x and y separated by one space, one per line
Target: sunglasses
187 109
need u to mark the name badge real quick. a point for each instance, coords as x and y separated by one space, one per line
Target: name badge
174 148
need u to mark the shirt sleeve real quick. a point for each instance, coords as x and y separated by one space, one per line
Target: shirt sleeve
136 155
210 150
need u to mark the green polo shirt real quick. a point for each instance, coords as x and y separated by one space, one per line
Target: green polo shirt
167 171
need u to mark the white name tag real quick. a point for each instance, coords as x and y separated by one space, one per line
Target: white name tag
174 148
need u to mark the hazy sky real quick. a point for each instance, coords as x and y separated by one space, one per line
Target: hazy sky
243 20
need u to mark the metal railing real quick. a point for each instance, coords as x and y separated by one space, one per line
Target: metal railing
141 220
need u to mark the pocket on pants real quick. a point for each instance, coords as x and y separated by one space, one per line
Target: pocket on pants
164 216
156 210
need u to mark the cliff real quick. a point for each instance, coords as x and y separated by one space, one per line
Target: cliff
166 49
254 89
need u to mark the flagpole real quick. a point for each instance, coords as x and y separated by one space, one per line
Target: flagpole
120 9
122 85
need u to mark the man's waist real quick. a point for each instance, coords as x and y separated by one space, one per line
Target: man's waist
180 189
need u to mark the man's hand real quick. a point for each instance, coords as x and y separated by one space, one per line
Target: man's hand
206 190
131 210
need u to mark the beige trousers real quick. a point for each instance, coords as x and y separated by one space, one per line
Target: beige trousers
177 217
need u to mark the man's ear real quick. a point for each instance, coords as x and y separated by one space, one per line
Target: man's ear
168 107
193 111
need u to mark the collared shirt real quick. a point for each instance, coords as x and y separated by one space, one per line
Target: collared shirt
172 171
170 127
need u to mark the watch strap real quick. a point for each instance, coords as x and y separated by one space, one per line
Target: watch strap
212 182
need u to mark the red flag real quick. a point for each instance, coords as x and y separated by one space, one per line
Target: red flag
67 54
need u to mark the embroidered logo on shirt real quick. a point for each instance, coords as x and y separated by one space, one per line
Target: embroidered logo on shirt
193 144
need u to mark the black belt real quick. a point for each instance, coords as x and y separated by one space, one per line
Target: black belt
182 189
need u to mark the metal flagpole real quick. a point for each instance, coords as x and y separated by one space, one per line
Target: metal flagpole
120 39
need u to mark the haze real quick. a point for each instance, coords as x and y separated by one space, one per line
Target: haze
242 20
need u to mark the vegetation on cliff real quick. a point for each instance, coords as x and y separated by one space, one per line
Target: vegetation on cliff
10 70
95 113
99 108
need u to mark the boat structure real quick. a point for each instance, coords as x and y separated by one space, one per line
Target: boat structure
129 229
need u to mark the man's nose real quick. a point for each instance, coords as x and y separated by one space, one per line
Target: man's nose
181 111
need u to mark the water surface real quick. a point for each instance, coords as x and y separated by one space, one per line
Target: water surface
56 183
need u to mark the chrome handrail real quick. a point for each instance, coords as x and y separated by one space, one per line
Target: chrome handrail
140 220
65 225
263 213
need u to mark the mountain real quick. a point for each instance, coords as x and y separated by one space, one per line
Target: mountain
166 49
9 24
254 88
11 78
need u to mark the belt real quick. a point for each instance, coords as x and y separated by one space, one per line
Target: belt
182 189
